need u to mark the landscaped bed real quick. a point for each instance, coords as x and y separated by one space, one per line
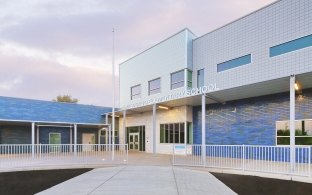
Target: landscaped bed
245 184
31 182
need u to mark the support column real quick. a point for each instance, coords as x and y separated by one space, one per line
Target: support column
70 138
70 135
33 140
203 130
106 118
109 134
124 126
75 139
292 122
37 134
154 129
185 134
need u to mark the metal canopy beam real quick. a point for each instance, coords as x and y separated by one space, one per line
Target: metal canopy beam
215 99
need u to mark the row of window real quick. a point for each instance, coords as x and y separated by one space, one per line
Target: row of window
280 49
178 78
154 86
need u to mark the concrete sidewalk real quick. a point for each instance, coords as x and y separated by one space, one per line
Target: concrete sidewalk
141 180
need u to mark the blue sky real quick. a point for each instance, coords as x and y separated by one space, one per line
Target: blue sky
52 47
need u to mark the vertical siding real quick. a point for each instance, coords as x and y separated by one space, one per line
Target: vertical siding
10 134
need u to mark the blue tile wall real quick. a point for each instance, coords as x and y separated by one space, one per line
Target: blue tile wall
37 110
253 123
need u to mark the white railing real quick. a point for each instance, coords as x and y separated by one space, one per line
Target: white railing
41 155
271 159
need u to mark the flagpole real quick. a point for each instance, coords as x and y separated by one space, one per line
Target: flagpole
113 81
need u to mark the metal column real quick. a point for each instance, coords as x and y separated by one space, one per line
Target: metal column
37 136
75 139
109 134
33 140
203 131
154 129
185 134
124 126
292 122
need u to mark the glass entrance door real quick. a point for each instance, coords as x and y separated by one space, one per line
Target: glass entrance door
134 141
54 142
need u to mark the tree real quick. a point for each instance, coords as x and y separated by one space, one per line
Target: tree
65 98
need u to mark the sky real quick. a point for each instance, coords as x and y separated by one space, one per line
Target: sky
64 47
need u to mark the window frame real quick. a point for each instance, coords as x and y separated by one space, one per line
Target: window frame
197 76
168 133
291 46
178 82
149 87
189 75
235 63
288 136
138 94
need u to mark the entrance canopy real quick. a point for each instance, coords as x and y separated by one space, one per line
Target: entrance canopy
240 92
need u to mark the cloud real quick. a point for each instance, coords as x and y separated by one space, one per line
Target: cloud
40 79
57 47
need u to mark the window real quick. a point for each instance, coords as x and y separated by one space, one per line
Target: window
189 79
177 79
234 63
175 133
154 86
135 92
303 132
200 78
290 46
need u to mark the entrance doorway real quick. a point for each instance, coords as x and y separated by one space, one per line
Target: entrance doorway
88 138
54 142
134 141
103 136
136 132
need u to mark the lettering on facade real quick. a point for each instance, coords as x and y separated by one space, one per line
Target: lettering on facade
177 95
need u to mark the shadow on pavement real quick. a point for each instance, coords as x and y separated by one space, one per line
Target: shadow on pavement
31 182
244 184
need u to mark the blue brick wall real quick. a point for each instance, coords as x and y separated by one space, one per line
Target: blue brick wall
37 110
253 123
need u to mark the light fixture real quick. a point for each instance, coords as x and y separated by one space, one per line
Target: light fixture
296 86
163 107
210 112
234 109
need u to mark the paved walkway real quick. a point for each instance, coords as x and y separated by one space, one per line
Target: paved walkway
141 180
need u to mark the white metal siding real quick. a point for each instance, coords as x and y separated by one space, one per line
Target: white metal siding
254 34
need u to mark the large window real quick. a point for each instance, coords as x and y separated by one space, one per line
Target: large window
175 133
290 46
303 132
135 92
154 86
200 78
234 63
189 79
177 79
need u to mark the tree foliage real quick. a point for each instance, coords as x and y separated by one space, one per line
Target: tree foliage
65 98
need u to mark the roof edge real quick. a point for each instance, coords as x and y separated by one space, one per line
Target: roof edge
184 29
